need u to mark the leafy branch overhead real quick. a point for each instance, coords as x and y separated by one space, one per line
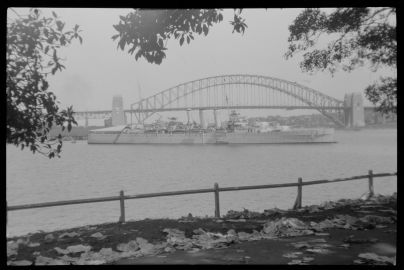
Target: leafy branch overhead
146 32
354 37
33 42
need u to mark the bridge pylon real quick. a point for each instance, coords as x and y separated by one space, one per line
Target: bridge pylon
118 115
354 112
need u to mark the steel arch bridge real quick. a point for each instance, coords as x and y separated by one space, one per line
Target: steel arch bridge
238 91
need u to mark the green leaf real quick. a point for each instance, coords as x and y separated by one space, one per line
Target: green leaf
181 40
81 40
54 69
161 44
121 44
205 29
199 29
188 39
54 14
115 37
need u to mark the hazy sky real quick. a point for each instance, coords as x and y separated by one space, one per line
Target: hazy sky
96 70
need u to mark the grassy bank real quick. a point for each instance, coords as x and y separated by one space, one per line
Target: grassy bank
158 240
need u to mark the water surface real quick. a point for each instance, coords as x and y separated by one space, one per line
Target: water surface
89 171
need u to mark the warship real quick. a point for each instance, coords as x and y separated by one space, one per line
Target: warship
235 131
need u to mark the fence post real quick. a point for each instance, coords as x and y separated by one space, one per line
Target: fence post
217 206
371 190
122 200
298 202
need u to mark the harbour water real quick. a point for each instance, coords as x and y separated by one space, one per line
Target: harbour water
90 171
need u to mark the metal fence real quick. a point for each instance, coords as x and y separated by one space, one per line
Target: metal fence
216 189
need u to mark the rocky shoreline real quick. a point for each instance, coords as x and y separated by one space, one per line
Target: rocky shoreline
161 239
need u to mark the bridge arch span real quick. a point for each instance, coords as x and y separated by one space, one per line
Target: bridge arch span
210 93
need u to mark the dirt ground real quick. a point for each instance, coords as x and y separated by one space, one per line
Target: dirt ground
343 245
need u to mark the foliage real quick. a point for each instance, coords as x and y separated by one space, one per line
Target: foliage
147 31
358 36
32 44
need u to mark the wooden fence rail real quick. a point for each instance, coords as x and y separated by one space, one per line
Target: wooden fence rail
216 189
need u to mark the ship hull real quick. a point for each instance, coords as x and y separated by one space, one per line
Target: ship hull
282 137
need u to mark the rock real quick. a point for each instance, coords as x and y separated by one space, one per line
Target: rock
49 238
231 232
243 236
307 259
255 235
98 236
293 262
286 227
322 234
40 260
328 205
313 209
211 240
246 259
319 250
372 258
22 262
169 249
78 248
61 251
159 247
69 260
301 245
127 247
109 255
199 231
12 248
319 240
292 254
366 196
66 234
21 241
32 244
145 247
373 219
233 214
177 239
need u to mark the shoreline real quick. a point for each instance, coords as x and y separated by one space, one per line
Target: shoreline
158 241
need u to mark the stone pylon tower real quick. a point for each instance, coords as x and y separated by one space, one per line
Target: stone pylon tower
354 111
118 115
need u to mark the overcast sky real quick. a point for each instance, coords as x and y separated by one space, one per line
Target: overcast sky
96 70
